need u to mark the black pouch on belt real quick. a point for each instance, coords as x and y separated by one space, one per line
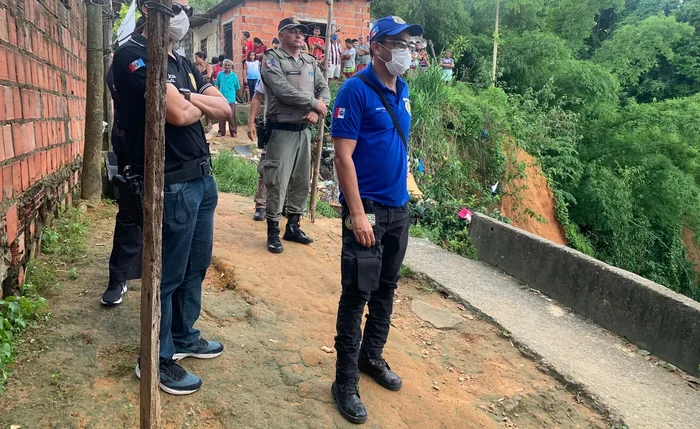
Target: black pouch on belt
362 267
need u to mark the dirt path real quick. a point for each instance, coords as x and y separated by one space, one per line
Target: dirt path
76 371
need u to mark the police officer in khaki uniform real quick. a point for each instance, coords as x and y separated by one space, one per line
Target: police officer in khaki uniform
296 97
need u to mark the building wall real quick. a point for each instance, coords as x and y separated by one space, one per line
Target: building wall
260 18
210 32
42 122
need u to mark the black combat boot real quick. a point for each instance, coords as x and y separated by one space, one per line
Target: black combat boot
378 369
273 237
293 233
347 399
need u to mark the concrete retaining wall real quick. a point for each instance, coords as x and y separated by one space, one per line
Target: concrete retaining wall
650 315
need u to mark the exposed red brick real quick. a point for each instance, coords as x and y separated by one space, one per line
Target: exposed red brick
11 67
7 180
3 25
16 178
6 133
25 174
17 103
3 63
11 223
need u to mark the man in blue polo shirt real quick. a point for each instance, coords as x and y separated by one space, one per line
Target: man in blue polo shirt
371 161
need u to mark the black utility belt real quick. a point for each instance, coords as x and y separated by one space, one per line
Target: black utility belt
286 126
189 170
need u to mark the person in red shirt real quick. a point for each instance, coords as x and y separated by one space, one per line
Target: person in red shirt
317 44
248 44
259 49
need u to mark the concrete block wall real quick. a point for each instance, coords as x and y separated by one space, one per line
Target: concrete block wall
646 313
42 83
261 18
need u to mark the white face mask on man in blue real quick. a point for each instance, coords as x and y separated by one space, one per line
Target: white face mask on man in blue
400 61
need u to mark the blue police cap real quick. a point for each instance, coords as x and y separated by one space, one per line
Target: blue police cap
391 26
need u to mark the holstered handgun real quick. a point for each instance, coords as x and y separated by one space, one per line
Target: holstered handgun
262 131
131 186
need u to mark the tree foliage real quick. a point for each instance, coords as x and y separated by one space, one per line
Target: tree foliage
604 93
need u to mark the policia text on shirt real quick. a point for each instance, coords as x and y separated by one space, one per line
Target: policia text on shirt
295 97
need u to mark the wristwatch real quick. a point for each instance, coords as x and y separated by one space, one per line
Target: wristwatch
186 92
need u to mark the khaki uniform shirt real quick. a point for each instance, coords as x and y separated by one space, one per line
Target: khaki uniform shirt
293 86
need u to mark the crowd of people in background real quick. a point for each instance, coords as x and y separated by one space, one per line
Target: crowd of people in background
344 58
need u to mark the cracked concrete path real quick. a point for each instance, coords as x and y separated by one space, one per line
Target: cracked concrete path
634 387
274 313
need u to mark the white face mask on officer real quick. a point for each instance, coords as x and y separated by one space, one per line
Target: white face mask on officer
400 61
179 25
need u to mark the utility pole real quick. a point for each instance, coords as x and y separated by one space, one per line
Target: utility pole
495 44
154 166
321 127
91 181
107 54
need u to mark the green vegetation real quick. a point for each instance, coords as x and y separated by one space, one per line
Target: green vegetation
605 95
235 174
63 244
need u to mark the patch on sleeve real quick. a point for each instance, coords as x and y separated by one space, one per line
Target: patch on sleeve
407 103
271 63
339 113
192 81
137 65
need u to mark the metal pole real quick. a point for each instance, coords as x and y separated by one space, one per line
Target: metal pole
321 128
154 142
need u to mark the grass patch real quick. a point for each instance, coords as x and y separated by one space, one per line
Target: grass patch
326 210
235 174
63 244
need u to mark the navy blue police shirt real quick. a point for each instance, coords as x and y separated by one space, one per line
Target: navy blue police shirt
129 67
380 156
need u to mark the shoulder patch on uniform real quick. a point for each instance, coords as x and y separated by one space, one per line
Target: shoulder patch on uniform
407 103
137 65
339 113
271 63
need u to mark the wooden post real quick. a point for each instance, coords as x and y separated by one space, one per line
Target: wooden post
91 180
495 44
107 99
154 142
322 126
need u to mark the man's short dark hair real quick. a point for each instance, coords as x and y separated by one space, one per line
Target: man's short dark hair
275 41
257 40
348 41
222 57
246 34
201 55
215 60
140 24
316 27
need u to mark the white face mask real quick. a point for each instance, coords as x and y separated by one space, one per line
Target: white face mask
400 62
179 24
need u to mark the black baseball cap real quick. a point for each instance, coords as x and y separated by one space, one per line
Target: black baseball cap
292 22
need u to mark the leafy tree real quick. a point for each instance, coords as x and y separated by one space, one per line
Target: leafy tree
636 49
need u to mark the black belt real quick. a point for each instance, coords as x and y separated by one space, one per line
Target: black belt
286 126
189 170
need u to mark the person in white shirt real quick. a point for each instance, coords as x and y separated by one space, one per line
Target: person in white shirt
349 58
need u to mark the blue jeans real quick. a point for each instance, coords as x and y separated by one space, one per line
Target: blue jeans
188 234
251 87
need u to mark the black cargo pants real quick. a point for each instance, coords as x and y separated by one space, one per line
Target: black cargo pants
369 277
125 259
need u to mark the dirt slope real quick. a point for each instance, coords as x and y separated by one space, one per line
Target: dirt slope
533 198
78 370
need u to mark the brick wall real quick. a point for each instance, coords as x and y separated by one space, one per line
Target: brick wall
42 82
261 17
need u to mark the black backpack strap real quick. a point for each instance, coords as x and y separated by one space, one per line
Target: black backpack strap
388 108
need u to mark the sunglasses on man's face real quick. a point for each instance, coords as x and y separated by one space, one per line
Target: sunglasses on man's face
177 8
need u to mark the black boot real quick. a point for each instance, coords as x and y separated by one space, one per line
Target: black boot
293 233
347 399
378 369
259 214
273 237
